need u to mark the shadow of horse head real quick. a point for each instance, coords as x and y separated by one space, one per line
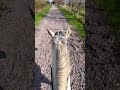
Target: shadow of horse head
40 78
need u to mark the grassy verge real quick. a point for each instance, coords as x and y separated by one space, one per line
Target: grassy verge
74 21
41 14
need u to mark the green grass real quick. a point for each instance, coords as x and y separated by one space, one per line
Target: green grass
74 21
41 14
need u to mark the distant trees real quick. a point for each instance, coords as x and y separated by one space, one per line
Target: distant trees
75 6
60 2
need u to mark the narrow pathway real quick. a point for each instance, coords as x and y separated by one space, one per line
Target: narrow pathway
55 21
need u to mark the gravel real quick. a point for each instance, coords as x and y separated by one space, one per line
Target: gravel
55 21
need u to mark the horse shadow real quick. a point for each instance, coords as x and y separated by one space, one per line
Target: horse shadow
40 78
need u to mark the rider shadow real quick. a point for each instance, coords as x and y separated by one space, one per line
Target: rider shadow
40 78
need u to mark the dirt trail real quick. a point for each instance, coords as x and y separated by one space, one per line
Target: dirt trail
55 21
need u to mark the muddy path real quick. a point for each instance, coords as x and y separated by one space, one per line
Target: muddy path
55 21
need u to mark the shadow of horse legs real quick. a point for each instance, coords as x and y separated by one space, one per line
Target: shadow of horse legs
40 78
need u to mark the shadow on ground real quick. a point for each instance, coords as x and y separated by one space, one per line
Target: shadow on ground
2 55
40 78
1 88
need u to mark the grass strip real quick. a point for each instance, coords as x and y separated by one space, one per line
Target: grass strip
74 21
41 14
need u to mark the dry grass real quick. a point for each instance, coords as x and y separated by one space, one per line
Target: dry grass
41 14
39 5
